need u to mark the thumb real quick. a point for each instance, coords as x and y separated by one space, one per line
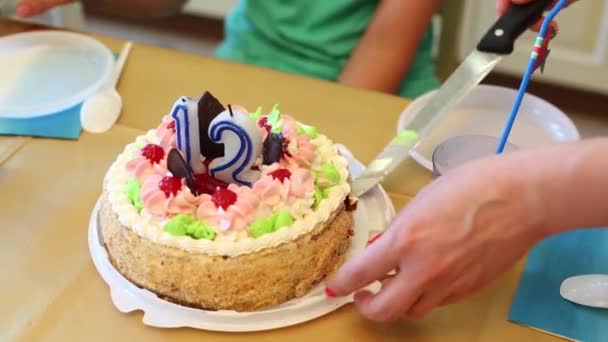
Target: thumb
368 266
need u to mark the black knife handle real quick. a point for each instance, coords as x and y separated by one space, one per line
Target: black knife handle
500 39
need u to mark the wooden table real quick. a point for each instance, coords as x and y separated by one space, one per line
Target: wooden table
50 289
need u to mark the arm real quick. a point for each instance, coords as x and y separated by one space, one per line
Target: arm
386 50
572 182
470 225
137 9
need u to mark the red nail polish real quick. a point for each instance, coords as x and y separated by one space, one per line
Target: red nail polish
330 293
374 239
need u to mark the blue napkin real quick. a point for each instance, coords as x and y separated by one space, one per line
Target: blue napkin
64 125
538 303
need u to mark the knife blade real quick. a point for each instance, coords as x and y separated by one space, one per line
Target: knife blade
496 43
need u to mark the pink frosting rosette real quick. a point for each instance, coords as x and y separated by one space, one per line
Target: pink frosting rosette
142 168
166 133
236 217
301 152
273 190
156 202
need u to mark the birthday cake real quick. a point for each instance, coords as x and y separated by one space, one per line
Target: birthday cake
222 209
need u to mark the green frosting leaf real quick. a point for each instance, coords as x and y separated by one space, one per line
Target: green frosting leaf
178 225
182 225
261 226
257 115
330 172
198 230
140 145
133 193
308 130
407 137
274 119
327 177
270 224
282 219
319 196
326 192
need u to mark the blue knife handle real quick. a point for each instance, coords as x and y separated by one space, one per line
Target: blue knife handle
500 39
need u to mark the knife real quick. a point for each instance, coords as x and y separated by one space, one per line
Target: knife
497 42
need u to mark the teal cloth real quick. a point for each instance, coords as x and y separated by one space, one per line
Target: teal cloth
61 125
313 38
537 302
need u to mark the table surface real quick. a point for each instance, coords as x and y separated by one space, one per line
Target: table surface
50 288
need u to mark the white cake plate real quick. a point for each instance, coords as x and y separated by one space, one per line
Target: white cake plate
374 211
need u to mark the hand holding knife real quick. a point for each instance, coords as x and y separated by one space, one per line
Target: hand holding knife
497 42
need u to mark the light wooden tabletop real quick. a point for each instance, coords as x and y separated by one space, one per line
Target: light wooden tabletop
50 289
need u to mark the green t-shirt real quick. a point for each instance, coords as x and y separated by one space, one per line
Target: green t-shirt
313 38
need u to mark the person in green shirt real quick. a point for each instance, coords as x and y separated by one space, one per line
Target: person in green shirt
371 44
378 45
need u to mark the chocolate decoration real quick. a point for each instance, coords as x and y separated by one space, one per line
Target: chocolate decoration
350 204
208 108
179 168
272 151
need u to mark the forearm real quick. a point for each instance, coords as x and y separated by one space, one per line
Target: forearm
384 55
570 182
136 9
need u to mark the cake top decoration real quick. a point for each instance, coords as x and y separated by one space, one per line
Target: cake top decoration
242 141
210 172
208 108
185 116
273 148
179 168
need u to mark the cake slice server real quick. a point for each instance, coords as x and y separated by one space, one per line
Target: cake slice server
497 42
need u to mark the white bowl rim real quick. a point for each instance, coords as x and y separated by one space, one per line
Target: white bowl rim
48 109
416 104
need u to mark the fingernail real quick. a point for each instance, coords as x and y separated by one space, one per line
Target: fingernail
330 293
374 239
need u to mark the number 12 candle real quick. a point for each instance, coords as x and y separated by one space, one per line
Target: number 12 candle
242 141
185 114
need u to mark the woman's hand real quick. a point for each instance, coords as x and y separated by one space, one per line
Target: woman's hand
30 8
503 5
456 236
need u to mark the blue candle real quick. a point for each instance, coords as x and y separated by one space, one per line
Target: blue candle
242 141
185 114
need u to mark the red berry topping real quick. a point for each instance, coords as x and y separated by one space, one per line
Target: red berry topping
207 162
281 174
154 153
205 184
264 124
170 185
171 125
223 198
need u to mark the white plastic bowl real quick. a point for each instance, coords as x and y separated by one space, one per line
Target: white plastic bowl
485 111
44 72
